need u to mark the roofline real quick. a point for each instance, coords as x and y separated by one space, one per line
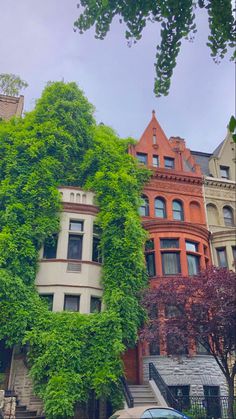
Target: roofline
201 153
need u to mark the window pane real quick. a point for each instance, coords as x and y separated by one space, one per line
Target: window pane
160 208
154 348
228 216
170 263
95 305
142 158
75 247
96 256
150 262
48 299
193 264
176 346
234 252
155 161
76 225
224 172
172 311
71 302
144 207
183 393
169 163
191 246
169 243
149 245
50 247
222 258
177 211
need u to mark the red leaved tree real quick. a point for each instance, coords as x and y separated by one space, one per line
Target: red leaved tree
205 313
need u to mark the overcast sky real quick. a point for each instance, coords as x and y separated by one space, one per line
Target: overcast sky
39 44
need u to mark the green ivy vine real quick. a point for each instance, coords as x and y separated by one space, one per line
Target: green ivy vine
58 143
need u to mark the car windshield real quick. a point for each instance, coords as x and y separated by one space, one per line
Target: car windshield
161 414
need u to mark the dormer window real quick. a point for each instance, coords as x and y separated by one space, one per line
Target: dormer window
224 172
142 158
169 163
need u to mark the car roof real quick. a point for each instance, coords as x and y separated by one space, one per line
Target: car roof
136 412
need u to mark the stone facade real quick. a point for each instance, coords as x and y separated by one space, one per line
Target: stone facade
11 106
195 372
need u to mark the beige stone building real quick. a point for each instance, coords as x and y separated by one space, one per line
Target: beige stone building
11 106
219 169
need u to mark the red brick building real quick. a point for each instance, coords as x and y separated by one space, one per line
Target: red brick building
173 213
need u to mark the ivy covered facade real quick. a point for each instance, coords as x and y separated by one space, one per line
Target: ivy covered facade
76 255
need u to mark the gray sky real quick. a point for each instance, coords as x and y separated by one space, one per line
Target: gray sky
39 44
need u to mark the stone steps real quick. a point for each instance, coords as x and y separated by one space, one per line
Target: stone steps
142 395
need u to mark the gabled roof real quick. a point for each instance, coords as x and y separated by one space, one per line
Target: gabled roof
217 151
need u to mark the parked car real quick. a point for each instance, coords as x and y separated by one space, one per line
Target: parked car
149 412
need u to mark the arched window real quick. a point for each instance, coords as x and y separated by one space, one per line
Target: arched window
160 208
177 208
228 216
144 207
72 197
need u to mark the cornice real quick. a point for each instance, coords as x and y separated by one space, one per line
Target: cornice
155 225
226 184
226 234
80 208
175 176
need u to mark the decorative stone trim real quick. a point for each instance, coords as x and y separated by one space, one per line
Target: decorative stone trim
80 208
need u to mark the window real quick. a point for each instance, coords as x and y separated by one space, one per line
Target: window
160 208
149 245
193 264
50 247
200 349
154 348
76 225
142 158
176 345
96 256
222 258
71 302
150 263
48 299
144 207
191 246
170 259
224 172
177 208
169 163
150 257
95 305
171 263
169 243
155 161
182 394
154 136
228 216
173 311
75 246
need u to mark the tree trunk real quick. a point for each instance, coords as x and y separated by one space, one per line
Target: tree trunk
231 398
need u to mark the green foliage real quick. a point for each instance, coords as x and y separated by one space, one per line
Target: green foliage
177 21
58 144
232 127
11 85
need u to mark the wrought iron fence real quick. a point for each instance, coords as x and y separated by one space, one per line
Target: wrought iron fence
205 407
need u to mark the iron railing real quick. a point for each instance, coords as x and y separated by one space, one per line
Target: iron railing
126 391
205 407
162 386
